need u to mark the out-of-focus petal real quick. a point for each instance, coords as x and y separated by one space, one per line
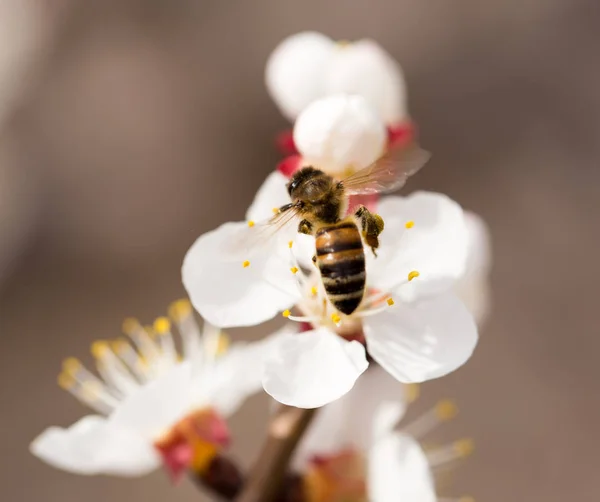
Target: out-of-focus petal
158 404
350 421
398 470
294 73
436 246
93 446
474 287
340 132
364 68
234 284
311 369
422 340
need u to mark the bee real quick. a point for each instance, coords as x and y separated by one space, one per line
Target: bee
321 203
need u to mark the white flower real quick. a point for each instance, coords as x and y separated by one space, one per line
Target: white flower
153 406
340 133
474 287
415 329
354 448
308 66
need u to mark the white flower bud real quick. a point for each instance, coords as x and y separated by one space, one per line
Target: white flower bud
340 132
364 68
295 70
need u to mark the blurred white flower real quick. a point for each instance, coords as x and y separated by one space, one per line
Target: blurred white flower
474 287
340 134
308 66
153 405
355 450
411 325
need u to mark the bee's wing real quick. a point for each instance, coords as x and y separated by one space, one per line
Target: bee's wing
262 234
388 173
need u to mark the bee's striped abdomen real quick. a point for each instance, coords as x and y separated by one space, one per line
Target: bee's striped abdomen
341 261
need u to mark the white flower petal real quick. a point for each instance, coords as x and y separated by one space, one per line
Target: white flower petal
313 368
294 73
338 132
271 194
158 404
228 294
423 340
237 374
93 446
474 287
398 470
350 421
364 68
436 246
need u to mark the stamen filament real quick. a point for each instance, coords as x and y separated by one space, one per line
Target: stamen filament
443 411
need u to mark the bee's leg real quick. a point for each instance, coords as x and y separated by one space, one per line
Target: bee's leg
371 226
305 227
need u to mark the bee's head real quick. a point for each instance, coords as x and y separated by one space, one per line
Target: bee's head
299 187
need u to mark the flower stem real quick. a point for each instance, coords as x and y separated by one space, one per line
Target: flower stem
266 478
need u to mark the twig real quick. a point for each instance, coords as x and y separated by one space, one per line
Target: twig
266 477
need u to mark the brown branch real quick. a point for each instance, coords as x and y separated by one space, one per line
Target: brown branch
269 472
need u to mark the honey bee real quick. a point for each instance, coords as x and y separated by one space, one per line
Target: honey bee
321 203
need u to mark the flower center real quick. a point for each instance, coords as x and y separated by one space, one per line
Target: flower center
339 477
193 442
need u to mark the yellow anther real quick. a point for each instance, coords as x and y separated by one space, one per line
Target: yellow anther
286 313
314 290
222 344
466 498
65 381
335 318
251 223
390 301
409 224
119 345
464 447
246 264
99 348
290 244
71 365
275 210
413 390
162 325
446 410
294 270
130 325
413 274
180 309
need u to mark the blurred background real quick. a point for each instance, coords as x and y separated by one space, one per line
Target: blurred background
129 127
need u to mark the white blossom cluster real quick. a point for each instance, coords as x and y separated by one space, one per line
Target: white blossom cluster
426 292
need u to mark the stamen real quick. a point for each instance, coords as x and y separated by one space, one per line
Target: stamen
180 309
286 313
251 223
459 449
275 210
246 264
413 390
290 244
162 327
314 290
131 358
442 412
294 270
143 342
413 274
390 301
181 313
112 369
335 318
409 224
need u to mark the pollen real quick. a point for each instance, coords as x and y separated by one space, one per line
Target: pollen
246 264
223 343
409 224
251 223
99 348
294 270
335 318
290 244
275 210
464 447
162 325
130 325
180 309
314 290
390 301
286 313
446 410
413 274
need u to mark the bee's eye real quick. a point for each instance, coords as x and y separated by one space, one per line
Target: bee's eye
292 186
